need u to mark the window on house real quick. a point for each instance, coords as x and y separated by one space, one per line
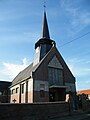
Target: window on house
17 89
22 88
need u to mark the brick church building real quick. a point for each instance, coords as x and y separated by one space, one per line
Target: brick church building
48 78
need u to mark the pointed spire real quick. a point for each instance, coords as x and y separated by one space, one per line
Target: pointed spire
45 31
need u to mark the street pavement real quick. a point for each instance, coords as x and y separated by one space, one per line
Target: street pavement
76 116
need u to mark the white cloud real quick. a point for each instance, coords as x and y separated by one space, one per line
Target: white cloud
10 70
78 14
88 81
79 67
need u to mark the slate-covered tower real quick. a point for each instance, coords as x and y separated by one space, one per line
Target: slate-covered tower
44 44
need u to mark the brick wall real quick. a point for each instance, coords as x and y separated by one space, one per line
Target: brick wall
86 105
35 111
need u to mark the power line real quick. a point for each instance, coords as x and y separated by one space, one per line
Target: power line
75 39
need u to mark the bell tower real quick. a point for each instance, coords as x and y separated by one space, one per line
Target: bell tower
44 44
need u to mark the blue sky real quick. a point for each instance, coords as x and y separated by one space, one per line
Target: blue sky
21 26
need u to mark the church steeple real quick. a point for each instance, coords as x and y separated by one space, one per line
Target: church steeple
44 44
45 31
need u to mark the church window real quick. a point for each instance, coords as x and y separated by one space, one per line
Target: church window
55 76
22 88
42 86
17 89
42 92
13 91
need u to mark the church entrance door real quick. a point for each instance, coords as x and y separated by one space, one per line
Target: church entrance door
56 94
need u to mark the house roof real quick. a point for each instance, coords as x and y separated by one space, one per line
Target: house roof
84 92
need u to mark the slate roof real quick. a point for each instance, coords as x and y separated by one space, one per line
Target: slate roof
45 32
24 74
27 72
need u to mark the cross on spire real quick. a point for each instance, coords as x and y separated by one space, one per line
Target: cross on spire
44 5
45 31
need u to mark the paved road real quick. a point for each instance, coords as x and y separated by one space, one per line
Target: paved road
84 116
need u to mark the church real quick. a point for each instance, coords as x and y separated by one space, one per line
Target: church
47 78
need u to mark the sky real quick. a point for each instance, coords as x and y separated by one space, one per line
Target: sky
21 26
